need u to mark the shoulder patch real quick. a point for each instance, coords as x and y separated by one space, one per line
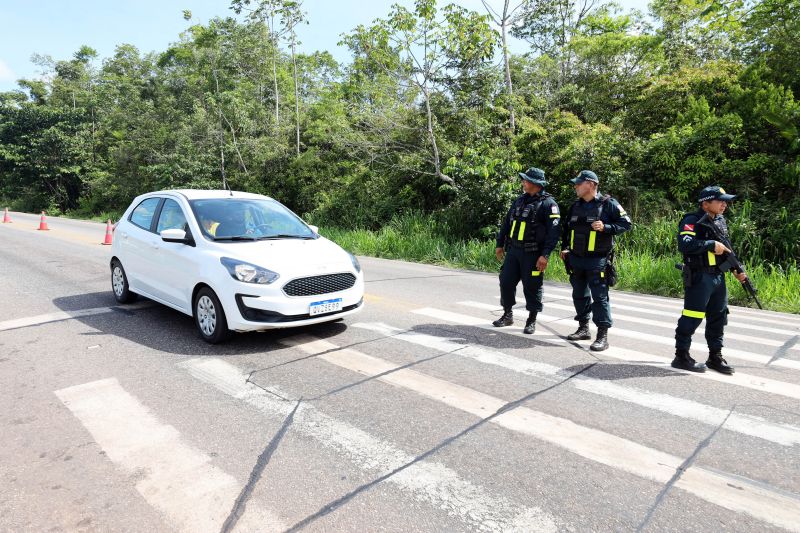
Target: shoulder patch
554 209
688 227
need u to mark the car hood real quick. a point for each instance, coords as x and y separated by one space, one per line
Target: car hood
295 256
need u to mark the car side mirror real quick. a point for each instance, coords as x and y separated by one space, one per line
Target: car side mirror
175 235
315 229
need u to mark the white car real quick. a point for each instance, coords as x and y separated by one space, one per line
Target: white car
234 261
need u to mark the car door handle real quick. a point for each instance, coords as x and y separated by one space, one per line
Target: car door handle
154 245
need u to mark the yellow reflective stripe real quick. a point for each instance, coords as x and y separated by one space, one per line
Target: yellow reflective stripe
592 237
694 314
572 240
712 259
521 231
536 273
688 233
555 216
602 274
513 224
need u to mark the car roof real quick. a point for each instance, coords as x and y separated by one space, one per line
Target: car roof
201 194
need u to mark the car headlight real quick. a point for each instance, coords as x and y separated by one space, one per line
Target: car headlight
248 272
355 262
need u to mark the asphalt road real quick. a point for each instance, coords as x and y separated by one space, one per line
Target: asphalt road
414 415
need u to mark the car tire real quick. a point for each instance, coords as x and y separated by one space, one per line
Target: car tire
209 317
119 284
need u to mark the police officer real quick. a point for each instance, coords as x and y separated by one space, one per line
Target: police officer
587 241
705 293
528 234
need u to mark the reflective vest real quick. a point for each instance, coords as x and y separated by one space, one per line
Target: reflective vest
707 261
583 240
526 231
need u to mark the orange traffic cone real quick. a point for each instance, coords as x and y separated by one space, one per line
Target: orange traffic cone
6 218
108 233
43 223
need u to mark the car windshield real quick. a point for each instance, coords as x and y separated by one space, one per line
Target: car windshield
238 219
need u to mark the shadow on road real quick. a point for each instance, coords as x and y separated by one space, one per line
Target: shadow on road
161 328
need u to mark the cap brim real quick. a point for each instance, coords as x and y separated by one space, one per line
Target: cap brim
575 181
523 176
727 197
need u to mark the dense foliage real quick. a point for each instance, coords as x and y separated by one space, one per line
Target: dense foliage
432 114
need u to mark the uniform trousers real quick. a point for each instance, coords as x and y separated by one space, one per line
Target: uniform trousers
521 265
706 298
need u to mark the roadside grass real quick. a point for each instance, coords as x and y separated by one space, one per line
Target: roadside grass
645 259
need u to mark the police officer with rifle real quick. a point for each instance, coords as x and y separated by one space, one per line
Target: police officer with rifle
707 255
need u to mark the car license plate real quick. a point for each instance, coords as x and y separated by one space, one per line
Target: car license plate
326 306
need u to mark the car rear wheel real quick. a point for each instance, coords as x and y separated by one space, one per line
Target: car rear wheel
119 284
209 317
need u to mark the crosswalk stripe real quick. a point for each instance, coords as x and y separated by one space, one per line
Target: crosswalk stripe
673 314
784 434
673 323
656 339
738 379
61 315
756 315
173 477
735 493
427 481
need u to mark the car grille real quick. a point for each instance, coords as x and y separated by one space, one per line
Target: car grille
319 284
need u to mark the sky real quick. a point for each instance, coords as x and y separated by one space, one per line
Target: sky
58 28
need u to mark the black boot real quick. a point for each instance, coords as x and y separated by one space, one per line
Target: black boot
506 320
716 362
582 333
684 361
530 324
601 342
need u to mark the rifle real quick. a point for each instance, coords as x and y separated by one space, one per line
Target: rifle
730 262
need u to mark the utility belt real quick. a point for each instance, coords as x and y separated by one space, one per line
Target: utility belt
706 269
522 245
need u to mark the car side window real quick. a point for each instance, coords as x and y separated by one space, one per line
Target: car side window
142 215
171 217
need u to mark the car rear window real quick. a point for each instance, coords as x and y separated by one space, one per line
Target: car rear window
142 215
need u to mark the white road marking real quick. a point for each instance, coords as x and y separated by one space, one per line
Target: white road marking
739 379
655 339
427 481
784 434
751 314
61 315
672 316
730 332
735 493
173 477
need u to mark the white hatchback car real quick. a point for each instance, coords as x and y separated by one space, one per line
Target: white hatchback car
234 261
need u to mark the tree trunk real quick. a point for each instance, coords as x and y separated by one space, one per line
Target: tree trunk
509 88
296 96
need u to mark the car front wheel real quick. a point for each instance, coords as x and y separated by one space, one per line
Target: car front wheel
119 284
209 317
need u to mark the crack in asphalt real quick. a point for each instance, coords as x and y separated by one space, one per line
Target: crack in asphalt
240 504
339 502
681 469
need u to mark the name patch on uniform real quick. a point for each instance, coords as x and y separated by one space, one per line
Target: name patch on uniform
688 227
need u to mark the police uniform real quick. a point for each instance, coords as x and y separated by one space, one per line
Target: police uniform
705 292
529 231
589 251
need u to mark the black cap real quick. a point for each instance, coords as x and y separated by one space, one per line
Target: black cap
585 175
535 176
714 192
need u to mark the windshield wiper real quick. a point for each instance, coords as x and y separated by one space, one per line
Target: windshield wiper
284 236
235 238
